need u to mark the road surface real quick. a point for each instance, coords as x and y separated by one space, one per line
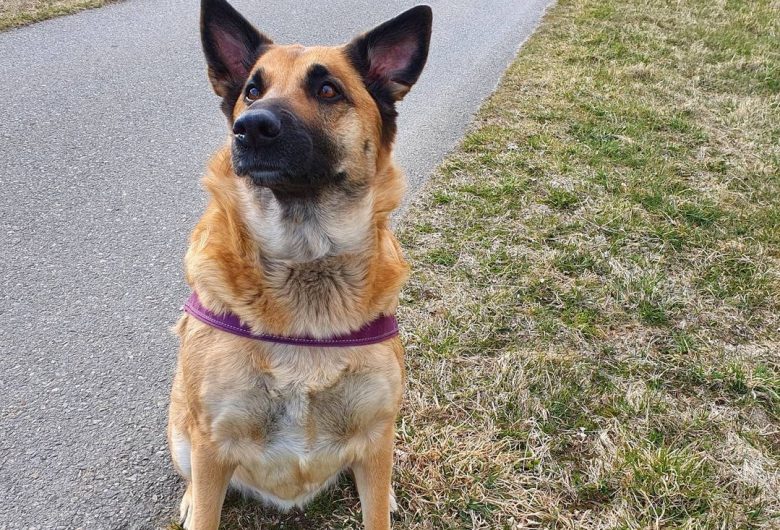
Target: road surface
106 121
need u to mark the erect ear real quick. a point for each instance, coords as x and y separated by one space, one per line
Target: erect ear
232 46
391 56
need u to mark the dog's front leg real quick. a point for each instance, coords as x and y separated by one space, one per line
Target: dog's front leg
210 479
373 474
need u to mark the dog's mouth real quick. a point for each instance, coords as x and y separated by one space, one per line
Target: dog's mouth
267 176
278 173
258 168
260 176
278 179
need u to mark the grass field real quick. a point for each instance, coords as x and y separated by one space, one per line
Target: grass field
593 325
14 13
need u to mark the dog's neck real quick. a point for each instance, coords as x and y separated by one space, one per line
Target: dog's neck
295 231
294 267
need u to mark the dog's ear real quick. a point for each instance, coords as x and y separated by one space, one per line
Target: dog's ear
231 45
391 56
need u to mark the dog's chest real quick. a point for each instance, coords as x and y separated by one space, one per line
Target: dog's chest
293 425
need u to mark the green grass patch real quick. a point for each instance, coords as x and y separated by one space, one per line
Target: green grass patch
623 223
15 13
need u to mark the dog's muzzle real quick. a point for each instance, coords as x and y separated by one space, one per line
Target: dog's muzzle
272 146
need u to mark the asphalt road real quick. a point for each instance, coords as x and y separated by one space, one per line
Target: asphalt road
106 121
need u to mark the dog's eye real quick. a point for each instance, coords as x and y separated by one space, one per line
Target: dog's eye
252 93
328 91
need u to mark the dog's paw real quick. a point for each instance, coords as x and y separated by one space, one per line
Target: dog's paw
185 509
393 504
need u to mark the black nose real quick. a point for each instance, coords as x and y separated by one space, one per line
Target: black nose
257 127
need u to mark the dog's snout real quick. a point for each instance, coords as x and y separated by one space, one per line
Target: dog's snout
257 127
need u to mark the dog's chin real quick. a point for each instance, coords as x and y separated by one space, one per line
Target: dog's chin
266 178
279 181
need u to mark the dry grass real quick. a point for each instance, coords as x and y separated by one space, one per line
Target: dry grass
15 13
592 324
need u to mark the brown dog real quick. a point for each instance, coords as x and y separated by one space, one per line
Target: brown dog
294 243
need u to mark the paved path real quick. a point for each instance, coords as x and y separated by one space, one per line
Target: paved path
106 121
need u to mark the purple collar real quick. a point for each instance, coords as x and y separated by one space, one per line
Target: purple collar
378 330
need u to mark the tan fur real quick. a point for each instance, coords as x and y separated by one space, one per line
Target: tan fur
282 421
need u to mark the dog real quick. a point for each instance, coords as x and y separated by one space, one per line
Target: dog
290 370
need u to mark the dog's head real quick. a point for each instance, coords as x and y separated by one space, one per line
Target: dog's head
308 119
